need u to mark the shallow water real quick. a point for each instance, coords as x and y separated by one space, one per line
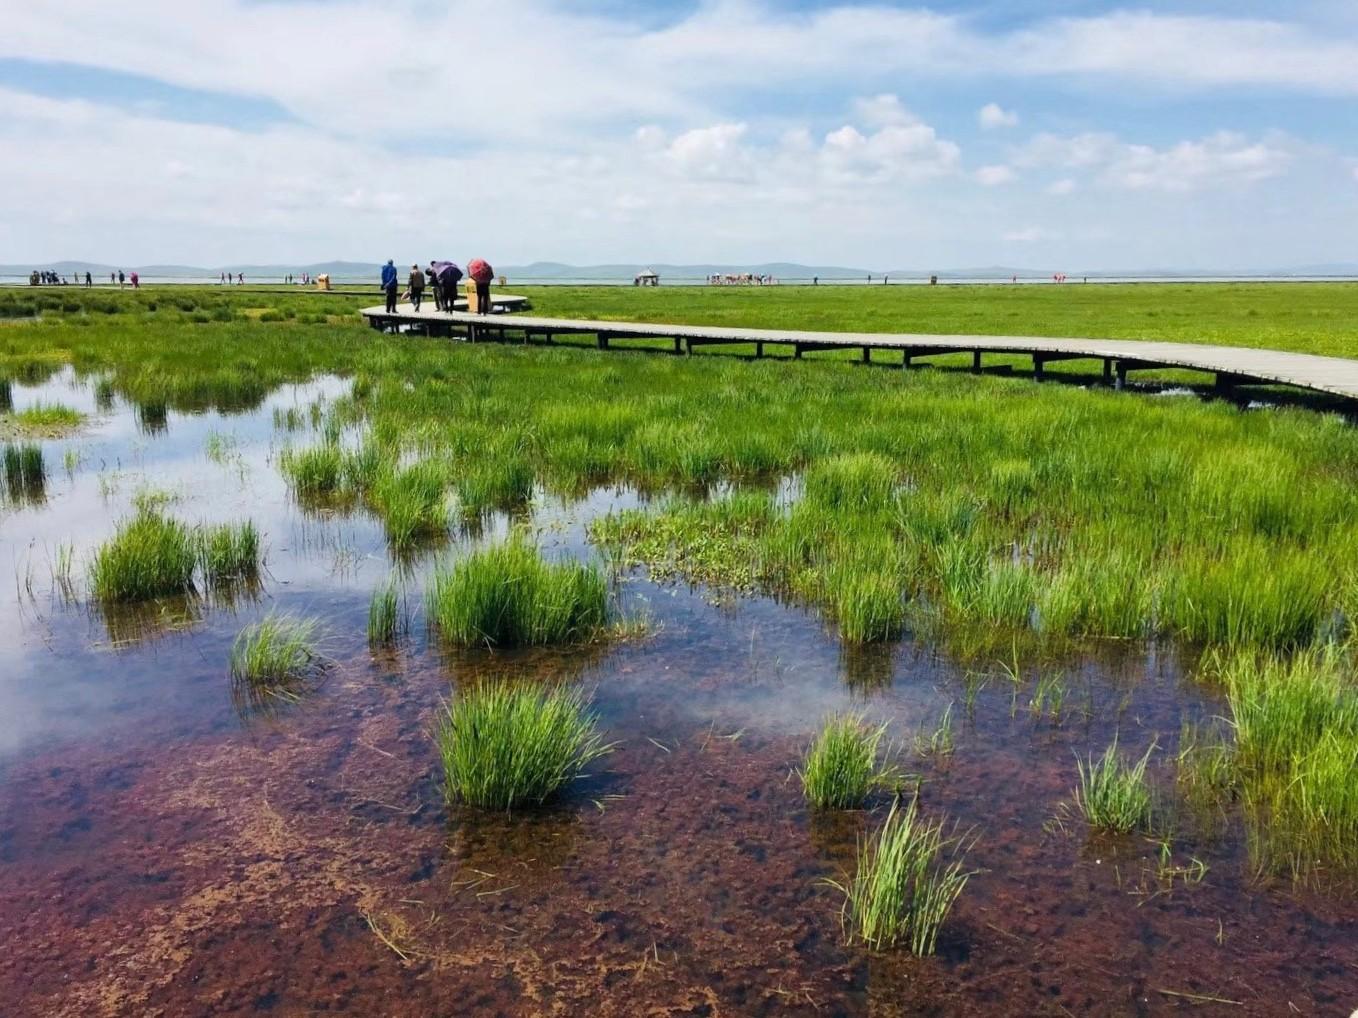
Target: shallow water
165 852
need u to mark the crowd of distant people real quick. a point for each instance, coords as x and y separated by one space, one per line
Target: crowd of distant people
740 279
441 279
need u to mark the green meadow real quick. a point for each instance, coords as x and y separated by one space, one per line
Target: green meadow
984 513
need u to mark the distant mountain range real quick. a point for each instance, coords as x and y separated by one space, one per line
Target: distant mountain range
625 271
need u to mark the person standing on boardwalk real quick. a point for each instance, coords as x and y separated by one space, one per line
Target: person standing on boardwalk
121 277
481 272
89 280
389 284
431 276
416 286
136 282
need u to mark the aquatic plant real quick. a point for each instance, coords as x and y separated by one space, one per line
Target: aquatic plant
412 504
275 653
497 482
909 876
1113 794
383 615
506 745
46 417
148 556
25 471
840 768
313 471
509 596
228 553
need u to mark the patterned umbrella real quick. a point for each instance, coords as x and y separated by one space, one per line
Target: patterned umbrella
479 269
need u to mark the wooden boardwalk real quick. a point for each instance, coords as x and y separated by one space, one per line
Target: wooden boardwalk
1231 365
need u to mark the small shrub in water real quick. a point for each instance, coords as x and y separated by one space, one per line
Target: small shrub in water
149 556
275 653
841 765
507 745
1113 794
905 885
508 596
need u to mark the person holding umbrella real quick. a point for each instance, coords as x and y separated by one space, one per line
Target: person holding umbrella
446 275
481 272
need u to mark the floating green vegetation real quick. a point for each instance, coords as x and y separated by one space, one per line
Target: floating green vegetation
149 556
908 879
509 596
1114 795
25 472
507 745
274 656
841 767
46 419
229 554
383 615
1294 760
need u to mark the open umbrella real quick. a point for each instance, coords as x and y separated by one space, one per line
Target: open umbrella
479 269
447 273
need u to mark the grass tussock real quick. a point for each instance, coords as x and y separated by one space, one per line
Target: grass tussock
229 554
274 655
25 472
505 746
509 596
841 766
909 876
1113 794
47 419
383 616
149 556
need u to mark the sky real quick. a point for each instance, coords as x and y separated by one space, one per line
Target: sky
1063 135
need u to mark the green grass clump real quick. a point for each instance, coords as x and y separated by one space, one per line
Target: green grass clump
1113 794
495 483
412 504
315 471
383 616
149 556
274 654
508 596
229 553
1296 757
25 471
840 768
905 884
504 745
48 417
853 482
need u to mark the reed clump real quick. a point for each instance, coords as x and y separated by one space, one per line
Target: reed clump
1113 794
509 596
25 472
149 556
909 876
274 655
505 745
383 616
229 554
841 767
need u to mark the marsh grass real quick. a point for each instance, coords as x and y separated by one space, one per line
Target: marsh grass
1113 795
275 656
384 615
47 419
149 556
229 554
413 504
908 878
25 472
498 482
841 768
1296 754
506 745
315 471
509 596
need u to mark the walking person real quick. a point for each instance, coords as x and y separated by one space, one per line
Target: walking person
136 282
389 284
121 278
481 272
89 280
431 276
416 287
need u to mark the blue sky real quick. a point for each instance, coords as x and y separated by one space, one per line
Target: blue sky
1061 136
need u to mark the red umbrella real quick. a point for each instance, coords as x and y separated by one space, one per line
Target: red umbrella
479 269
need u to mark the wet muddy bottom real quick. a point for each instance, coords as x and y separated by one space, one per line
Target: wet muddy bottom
166 850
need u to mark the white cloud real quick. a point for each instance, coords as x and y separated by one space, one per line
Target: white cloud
882 111
897 152
1061 187
713 152
994 176
1221 159
1029 235
992 116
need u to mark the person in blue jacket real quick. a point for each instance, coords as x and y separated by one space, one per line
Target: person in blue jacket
389 284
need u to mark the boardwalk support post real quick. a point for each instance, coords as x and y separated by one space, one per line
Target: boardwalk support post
759 348
1039 362
976 362
678 345
797 351
867 355
1107 370
1121 370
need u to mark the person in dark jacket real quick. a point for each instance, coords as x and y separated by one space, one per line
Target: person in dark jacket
416 286
389 284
